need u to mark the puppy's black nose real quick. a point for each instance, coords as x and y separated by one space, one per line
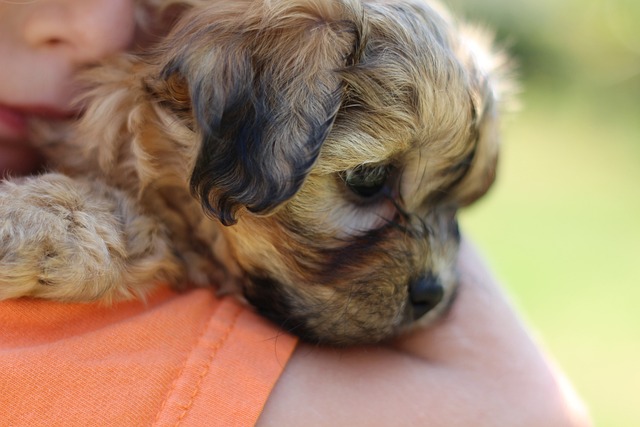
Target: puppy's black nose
424 294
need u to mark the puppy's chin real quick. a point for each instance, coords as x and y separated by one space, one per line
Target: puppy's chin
321 318
324 315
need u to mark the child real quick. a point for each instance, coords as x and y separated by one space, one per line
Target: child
42 43
193 359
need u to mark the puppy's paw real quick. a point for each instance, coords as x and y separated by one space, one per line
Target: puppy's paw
66 240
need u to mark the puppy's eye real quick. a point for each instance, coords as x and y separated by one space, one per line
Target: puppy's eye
366 180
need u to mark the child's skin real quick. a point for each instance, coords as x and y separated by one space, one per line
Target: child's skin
42 44
479 366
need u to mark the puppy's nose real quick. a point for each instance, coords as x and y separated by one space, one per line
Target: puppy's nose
424 294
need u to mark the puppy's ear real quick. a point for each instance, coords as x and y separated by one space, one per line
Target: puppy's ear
491 89
264 86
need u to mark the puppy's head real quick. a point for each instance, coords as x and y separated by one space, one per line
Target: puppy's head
337 139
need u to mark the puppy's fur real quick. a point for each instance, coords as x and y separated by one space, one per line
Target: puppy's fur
330 144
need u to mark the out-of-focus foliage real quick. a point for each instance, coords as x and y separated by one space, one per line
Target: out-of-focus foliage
562 226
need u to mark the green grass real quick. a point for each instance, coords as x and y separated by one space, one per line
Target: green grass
562 230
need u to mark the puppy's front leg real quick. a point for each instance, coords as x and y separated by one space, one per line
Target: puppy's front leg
74 240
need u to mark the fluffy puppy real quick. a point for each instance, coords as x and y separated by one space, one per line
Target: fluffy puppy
310 153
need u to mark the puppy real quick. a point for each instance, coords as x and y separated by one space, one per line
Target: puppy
310 154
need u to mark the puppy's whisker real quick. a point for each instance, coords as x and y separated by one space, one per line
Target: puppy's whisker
422 177
416 226
343 320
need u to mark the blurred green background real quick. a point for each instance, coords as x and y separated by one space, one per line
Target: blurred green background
561 228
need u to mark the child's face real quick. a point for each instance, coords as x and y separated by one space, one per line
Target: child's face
42 44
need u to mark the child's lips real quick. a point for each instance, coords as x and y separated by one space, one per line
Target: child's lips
15 118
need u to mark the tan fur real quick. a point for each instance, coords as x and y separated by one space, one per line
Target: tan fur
261 110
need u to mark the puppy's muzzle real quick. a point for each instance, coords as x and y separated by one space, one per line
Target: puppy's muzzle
425 293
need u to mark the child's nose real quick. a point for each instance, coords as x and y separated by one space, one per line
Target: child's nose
82 30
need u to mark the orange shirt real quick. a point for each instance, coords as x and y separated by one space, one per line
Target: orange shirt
177 360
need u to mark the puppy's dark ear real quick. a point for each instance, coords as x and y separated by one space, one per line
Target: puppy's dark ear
265 88
491 89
